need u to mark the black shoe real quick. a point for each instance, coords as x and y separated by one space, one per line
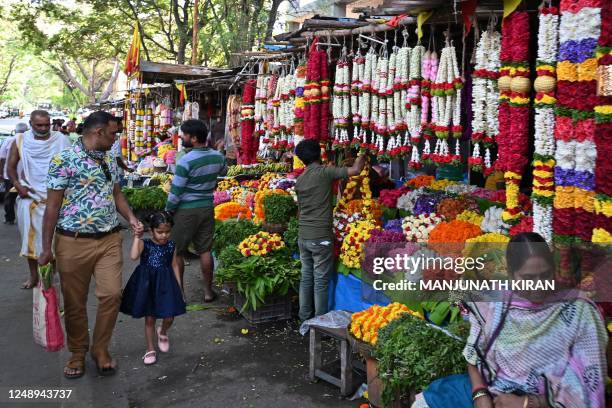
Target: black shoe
9 222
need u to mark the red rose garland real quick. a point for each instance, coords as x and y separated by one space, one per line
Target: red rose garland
248 142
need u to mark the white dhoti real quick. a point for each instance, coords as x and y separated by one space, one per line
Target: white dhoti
34 158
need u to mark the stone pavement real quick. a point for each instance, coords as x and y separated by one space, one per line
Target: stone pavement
210 364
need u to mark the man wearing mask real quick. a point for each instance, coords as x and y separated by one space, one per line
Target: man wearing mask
28 165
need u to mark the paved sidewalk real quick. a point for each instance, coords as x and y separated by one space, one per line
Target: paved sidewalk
211 363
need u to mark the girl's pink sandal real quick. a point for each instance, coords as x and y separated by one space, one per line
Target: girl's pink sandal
162 341
150 358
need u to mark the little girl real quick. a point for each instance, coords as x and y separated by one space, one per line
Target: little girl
153 290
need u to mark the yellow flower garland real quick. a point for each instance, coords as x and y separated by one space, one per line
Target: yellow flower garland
471 217
601 236
351 251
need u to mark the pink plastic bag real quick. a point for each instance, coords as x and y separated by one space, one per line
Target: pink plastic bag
46 323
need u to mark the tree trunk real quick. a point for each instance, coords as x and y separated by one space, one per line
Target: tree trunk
8 75
253 24
111 82
272 18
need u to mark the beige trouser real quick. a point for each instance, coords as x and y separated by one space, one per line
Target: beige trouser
77 260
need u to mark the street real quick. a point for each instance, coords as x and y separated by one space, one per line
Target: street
211 363
8 124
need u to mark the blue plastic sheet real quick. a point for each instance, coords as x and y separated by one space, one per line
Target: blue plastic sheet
351 294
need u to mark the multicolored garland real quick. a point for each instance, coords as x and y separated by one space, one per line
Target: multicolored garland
413 103
574 203
248 141
602 231
298 130
544 155
514 86
485 101
341 104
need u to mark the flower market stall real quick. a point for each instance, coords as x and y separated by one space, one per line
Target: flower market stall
498 125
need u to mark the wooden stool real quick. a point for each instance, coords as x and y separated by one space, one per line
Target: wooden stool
345 382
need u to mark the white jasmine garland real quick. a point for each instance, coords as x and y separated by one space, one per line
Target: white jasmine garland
417 227
586 23
492 221
542 220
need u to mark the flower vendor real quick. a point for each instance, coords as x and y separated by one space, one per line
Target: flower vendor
314 193
528 351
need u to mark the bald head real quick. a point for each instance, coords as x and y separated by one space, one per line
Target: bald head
39 114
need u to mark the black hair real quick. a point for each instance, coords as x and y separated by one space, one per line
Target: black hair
158 218
308 151
97 119
195 128
79 129
524 246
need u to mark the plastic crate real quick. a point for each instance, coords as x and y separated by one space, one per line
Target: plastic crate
274 309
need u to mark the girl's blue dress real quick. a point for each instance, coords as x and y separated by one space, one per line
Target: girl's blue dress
153 290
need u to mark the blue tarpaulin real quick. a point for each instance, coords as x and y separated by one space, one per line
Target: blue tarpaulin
346 292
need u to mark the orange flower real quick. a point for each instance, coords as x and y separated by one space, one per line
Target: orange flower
421 181
447 238
231 210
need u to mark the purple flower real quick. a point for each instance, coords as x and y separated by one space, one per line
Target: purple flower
427 203
394 225
577 51
386 236
582 179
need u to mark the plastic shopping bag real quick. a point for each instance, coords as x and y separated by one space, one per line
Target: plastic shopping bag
46 323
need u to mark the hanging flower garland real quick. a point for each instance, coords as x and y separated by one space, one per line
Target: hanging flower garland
390 124
400 84
312 93
341 105
428 105
447 91
247 124
261 95
485 101
356 88
576 151
380 115
366 102
514 86
325 98
299 111
544 159
413 104
275 122
602 231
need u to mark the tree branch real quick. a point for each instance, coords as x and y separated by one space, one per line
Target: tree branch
111 82
140 29
71 78
8 75
272 18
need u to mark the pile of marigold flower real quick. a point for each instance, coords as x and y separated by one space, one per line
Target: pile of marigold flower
260 244
365 324
230 210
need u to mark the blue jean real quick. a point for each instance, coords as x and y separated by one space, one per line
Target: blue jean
317 257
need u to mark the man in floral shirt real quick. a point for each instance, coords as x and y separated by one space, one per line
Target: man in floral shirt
83 200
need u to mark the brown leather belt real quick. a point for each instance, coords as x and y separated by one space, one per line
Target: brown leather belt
88 235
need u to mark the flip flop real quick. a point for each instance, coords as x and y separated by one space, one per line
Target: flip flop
163 342
105 371
150 357
76 362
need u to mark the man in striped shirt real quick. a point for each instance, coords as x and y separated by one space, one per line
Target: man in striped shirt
191 200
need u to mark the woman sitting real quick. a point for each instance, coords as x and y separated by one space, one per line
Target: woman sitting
526 352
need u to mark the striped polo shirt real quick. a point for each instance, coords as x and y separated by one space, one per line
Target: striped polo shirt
195 179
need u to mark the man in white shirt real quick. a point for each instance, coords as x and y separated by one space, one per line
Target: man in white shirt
9 196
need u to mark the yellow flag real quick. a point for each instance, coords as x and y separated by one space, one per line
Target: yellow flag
510 6
421 19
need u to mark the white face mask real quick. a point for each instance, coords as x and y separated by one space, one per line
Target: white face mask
41 134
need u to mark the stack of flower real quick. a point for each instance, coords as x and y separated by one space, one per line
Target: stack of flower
388 198
498 196
417 228
220 197
461 189
514 86
485 101
394 225
427 203
227 184
450 208
246 198
341 223
264 181
576 153
406 202
544 155
378 236
441 184
365 324
231 210
471 216
359 206
281 183
261 244
421 181
453 231
352 246
602 231
350 190
251 184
